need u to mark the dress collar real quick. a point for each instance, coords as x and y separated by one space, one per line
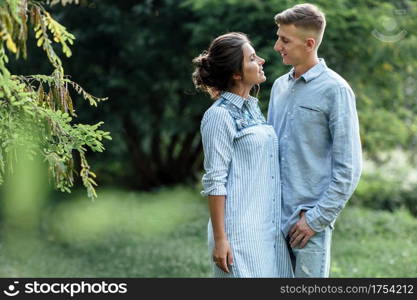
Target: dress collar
236 99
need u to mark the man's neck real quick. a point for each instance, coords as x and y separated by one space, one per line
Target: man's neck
305 66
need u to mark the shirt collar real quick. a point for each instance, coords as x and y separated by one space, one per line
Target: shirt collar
237 100
312 73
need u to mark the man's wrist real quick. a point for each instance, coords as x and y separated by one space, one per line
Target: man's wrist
315 221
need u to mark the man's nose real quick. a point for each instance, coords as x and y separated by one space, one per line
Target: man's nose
277 46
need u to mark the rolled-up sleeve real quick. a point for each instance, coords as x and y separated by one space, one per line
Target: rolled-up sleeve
346 160
217 131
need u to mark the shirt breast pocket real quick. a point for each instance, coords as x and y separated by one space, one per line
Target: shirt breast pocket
310 115
309 124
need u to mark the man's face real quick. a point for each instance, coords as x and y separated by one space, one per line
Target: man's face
291 45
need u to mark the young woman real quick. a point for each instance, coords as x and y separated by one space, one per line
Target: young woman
241 165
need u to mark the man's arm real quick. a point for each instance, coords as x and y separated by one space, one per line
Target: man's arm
346 160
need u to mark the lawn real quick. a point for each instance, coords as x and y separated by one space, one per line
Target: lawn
163 234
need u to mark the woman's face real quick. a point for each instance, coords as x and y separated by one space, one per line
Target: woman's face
252 66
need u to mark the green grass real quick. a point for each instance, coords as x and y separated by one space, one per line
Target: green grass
163 234
372 243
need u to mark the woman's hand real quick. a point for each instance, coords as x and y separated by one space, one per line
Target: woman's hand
222 254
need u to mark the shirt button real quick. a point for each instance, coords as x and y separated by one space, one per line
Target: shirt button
283 159
273 177
273 221
285 136
273 200
271 155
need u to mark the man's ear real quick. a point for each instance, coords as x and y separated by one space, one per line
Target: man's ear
311 44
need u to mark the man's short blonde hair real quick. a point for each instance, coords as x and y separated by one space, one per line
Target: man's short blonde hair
306 16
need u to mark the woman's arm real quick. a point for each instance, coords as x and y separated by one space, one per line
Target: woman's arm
222 253
217 132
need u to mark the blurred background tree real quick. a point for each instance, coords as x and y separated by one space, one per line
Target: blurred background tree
36 111
139 54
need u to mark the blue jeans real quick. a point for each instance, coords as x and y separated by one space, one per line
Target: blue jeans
314 259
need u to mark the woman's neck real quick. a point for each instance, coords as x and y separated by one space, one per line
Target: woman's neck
241 91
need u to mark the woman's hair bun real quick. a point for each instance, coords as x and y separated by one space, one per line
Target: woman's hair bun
202 75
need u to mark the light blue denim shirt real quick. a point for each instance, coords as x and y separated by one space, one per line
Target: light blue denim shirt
320 153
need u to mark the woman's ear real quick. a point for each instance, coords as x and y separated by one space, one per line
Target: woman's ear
237 77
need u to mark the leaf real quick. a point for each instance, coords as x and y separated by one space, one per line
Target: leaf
38 33
11 45
41 93
40 42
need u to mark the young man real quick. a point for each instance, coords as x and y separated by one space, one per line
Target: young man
313 111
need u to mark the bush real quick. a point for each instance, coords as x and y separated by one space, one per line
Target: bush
377 192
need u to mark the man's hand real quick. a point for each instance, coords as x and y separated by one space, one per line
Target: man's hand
300 233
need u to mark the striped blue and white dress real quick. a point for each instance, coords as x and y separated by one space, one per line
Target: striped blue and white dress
241 162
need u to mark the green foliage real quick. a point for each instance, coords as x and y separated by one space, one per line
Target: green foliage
37 110
378 192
